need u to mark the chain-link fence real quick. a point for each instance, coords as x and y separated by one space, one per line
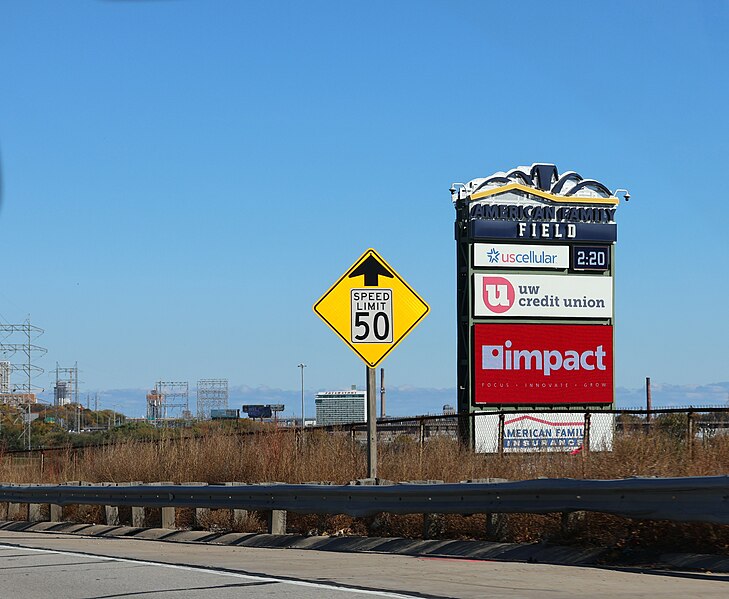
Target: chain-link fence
504 431
512 431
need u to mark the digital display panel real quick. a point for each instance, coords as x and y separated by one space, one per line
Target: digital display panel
590 257
517 364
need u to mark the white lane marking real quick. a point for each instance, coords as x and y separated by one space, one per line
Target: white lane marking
301 583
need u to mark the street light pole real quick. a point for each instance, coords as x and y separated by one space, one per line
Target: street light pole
302 366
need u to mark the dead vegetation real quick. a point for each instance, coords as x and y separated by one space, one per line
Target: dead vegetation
335 457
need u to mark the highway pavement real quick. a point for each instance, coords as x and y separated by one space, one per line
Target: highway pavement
42 565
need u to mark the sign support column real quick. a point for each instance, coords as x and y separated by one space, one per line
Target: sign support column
371 422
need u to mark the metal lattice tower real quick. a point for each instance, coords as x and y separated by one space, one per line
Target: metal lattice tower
168 401
17 349
65 389
4 376
212 394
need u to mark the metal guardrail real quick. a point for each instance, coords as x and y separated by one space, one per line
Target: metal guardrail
691 499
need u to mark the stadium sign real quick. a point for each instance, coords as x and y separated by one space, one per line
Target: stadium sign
535 289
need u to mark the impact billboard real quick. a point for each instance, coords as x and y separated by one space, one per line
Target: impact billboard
526 364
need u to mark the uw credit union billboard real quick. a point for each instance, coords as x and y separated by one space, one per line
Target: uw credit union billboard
530 295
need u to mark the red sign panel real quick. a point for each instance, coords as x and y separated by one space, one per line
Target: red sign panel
543 364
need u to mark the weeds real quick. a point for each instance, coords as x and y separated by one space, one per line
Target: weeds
284 456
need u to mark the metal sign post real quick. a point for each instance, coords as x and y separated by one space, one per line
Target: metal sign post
371 423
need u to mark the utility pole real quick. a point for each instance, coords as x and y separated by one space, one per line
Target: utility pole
648 399
302 366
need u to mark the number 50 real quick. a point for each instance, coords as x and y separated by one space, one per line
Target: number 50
371 327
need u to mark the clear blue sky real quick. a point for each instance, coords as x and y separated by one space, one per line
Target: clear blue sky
184 179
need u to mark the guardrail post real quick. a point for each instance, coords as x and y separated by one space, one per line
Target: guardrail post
138 519
76 483
432 526
276 520
495 526
238 514
571 521
202 514
111 512
35 511
15 511
112 515
168 512
56 513
168 517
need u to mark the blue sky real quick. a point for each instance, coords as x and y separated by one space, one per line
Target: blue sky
183 179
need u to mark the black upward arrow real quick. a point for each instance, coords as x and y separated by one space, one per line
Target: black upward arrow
372 269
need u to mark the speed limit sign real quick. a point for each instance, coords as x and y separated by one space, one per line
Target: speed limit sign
371 316
371 308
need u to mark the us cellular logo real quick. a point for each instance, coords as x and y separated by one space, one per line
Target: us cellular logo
502 357
498 294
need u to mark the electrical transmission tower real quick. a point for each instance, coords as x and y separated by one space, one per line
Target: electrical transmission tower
168 401
17 351
212 394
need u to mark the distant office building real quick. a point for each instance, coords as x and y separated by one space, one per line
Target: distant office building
340 407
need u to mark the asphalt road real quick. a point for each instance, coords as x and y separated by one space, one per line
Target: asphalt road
34 565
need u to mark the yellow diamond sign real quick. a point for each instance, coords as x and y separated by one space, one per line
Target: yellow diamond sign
371 308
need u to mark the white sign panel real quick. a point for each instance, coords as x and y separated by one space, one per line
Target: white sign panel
548 431
371 315
501 255
569 296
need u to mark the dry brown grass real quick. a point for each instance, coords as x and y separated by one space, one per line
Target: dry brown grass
281 456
